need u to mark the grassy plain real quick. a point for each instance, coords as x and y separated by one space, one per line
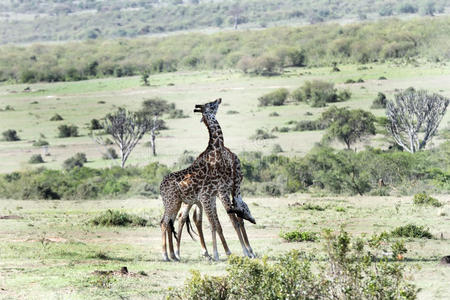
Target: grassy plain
50 251
79 102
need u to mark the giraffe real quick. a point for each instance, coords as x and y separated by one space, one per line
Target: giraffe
230 183
197 184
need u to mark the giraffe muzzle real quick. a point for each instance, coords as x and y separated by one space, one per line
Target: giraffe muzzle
198 108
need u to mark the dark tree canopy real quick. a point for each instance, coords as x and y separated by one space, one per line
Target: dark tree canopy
414 118
348 126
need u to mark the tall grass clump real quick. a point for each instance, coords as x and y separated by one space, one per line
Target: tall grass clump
117 218
299 236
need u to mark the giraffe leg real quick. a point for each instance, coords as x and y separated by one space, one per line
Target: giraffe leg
244 234
181 220
219 229
164 235
170 233
197 218
210 209
237 227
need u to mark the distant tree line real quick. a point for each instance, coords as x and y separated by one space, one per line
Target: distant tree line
92 19
264 52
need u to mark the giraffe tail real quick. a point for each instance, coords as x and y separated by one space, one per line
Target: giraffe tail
190 228
173 230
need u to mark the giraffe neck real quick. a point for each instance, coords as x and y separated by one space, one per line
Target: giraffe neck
215 132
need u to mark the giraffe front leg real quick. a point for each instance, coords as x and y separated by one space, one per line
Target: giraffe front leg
211 212
198 220
181 221
244 235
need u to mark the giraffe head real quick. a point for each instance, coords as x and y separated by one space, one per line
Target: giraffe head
241 209
209 109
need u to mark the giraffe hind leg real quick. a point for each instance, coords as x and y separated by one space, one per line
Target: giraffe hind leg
164 240
171 232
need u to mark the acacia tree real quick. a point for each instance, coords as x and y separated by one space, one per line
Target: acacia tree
414 118
154 108
347 125
126 129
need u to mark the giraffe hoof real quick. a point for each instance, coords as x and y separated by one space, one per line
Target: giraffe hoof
165 258
174 258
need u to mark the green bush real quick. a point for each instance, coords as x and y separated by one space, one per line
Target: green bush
380 101
40 143
10 135
318 93
56 117
117 218
67 131
412 231
274 114
424 199
78 160
307 125
36 159
110 154
262 134
299 236
276 149
95 125
275 98
349 272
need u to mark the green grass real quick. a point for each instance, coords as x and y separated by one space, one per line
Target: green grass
78 103
52 251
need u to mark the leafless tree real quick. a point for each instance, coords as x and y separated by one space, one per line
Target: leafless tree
126 128
414 117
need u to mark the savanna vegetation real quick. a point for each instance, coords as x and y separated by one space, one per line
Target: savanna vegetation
321 116
68 20
254 53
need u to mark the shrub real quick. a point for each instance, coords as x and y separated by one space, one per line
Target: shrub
10 135
398 249
78 160
36 159
349 273
276 149
318 93
117 218
110 154
56 117
67 131
424 199
299 236
309 206
306 125
297 95
95 125
411 231
262 134
276 98
380 101
232 112
40 143
382 78
274 114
